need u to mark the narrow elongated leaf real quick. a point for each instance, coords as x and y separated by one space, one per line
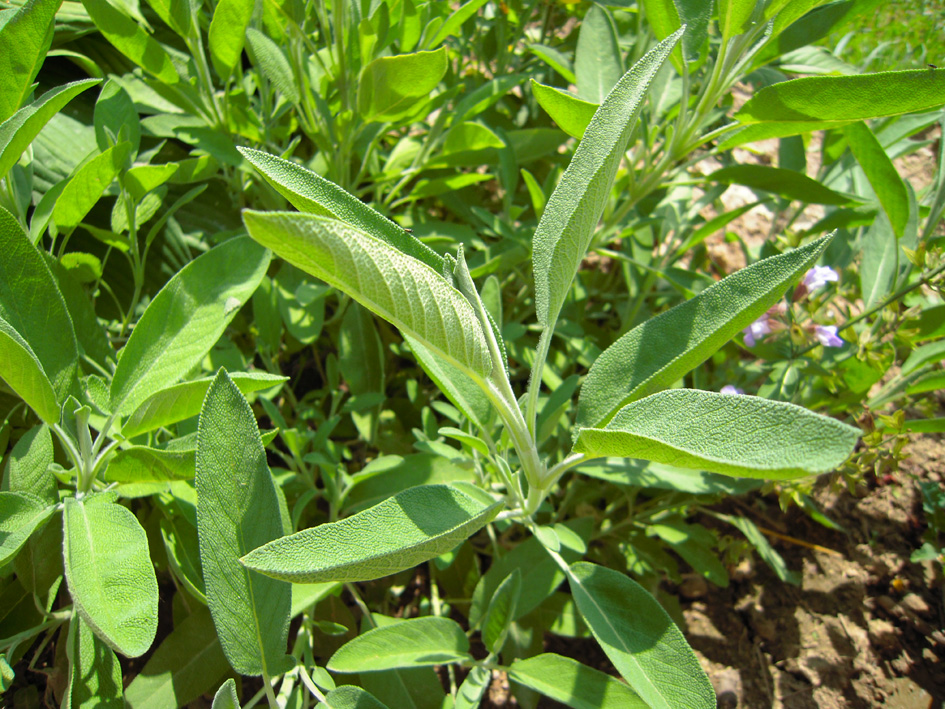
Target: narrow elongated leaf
312 193
419 642
501 611
570 217
110 574
390 86
94 672
20 516
24 41
743 436
31 304
20 368
405 530
473 687
28 466
598 64
188 663
880 263
785 183
767 552
186 319
181 401
227 33
641 640
270 58
114 111
571 683
570 113
881 173
87 186
144 464
846 98
397 287
129 38
18 131
454 22
658 352
238 510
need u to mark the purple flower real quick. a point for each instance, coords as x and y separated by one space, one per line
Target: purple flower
827 334
818 277
729 389
757 330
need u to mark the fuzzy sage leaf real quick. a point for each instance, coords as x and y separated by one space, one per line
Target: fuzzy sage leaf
407 529
419 642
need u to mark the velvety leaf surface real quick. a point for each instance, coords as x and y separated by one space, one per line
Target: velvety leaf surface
146 464
110 574
744 436
20 515
24 41
405 530
129 38
87 186
641 640
397 287
94 671
22 371
571 215
181 401
846 98
312 193
30 302
568 681
188 663
226 697
418 642
351 697
28 465
598 64
185 319
18 131
238 510
661 350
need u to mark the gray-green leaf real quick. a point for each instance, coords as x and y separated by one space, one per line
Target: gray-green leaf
238 510
641 640
393 285
186 319
661 350
94 672
419 642
570 217
20 516
405 530
743 436
110 574
574 684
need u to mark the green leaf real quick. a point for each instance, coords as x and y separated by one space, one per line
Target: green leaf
767 552
181 401
932 352
734 16
238 510
28 466
570 217
87 185
405 530
19 130
695 544
94 672
185 319
880 260
270 58
659 351
227 33
188 663
556 60
743 436
597 61
454 22
473 687
20 368
419 642
20 516
129 38
570 113
30 302
390 86
846 98
312 193
114 110
785 183
881 173
226 697
144 464
110 574
351 697
574 684
647 649
24 41
469 137
397 287
501 612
